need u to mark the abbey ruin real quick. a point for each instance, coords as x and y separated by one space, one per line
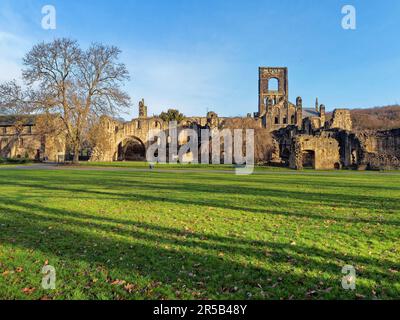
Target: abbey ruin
302 137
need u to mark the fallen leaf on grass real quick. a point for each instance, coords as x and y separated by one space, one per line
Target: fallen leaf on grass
28 290
129 287
118 282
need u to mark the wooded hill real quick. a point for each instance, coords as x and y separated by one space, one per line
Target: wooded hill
377 118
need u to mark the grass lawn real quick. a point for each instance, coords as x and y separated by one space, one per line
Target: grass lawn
145 165
158 235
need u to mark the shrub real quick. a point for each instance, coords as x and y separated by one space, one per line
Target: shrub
13 160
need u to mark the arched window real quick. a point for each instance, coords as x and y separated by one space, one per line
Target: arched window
292 120
276 120
273 84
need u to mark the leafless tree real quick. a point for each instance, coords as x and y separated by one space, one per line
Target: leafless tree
77 85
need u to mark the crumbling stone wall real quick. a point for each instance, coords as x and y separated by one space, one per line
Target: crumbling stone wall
380 149
341 119
324 150
115 134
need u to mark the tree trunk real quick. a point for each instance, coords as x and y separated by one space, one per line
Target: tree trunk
76 154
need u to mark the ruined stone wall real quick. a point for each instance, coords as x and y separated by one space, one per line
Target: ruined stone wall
384 141
115 133
324 150
341 119
265 94
381 149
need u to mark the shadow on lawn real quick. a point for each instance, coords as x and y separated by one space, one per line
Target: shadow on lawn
159 253
125 181
205 193
142 245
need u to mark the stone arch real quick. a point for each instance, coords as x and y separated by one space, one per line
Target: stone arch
156 124
308 159
285 153
131 149
276 115
291 114
273 84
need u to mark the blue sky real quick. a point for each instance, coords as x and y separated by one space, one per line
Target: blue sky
199 55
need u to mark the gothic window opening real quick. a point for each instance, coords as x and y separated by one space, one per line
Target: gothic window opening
273 84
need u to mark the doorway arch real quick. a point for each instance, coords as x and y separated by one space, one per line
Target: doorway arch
309 159
131 149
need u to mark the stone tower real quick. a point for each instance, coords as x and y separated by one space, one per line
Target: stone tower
267 94
299 112
322 114
142 109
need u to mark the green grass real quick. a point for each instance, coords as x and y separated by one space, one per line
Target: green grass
159 235
145 165
178 166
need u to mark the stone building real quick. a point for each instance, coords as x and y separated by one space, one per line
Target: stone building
312 144
20 138
302 137
274 108
128 140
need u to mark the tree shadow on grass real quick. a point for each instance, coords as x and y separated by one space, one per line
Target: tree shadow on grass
204 270
127 184
158 252
202 198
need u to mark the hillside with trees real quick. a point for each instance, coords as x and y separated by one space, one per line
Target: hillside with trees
376 118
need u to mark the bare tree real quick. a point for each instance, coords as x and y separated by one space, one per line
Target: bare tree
77 85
